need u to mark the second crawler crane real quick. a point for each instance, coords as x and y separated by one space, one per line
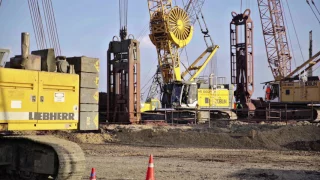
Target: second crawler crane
171 29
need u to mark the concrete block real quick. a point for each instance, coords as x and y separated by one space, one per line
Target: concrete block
84 64
89 121
89 96
33 62
48 60
89 80
89 107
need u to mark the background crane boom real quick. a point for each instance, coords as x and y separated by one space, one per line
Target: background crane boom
193 8
274 32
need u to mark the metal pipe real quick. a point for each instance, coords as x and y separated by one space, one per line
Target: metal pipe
310 53
25 47
211 81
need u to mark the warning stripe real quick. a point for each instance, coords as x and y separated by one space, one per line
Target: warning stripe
14 115
151 165
7 116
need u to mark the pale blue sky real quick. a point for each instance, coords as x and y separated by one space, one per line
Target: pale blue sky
86 27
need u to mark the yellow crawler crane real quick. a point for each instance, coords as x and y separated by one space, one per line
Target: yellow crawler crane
170 31
39 91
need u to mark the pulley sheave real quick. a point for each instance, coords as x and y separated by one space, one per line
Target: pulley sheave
179 27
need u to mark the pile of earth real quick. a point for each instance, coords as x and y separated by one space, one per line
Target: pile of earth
235 136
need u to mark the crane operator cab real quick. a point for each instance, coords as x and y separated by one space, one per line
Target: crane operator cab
180 94
272 92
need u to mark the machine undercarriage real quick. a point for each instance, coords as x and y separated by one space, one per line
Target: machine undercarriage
40 157
39 91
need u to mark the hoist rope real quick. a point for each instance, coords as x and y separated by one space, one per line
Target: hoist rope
46 20
55 26
123 11
313 10
143 32
51 28
38 24
294 27
120 14
43 36
315 6
289 36
33 24
147 82
50 23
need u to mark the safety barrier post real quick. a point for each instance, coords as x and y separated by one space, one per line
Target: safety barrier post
172 117
286 114
195 116
311 111
165 113
209 118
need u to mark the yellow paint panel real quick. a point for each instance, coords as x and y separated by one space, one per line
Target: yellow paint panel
29 98
18 90
146 107
18 121
48 125
216 98
296 92
97 65
96 121
58 92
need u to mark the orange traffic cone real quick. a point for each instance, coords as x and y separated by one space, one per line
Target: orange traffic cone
93 174
150 171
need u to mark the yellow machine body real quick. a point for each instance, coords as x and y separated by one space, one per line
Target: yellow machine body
300 92
35 100
151 105
214 98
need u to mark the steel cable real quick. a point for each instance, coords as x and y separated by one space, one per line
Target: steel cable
33 24
41 26
313 11
294 27
49 26
37 14
315 6
289 36
52 27
38 27
46 20
55 27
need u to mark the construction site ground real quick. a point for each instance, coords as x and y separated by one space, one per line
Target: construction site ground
234 151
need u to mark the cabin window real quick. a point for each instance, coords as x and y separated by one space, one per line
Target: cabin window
287 92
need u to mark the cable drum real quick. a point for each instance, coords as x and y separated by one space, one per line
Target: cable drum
179 27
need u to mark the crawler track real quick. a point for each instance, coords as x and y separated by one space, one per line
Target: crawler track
293 112
186 116
39 157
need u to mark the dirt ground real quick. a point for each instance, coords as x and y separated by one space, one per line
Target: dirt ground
238 151
130 162
234 151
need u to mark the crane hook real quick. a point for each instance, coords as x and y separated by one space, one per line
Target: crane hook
233 14
247 13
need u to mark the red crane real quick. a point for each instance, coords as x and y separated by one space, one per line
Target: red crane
275 37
